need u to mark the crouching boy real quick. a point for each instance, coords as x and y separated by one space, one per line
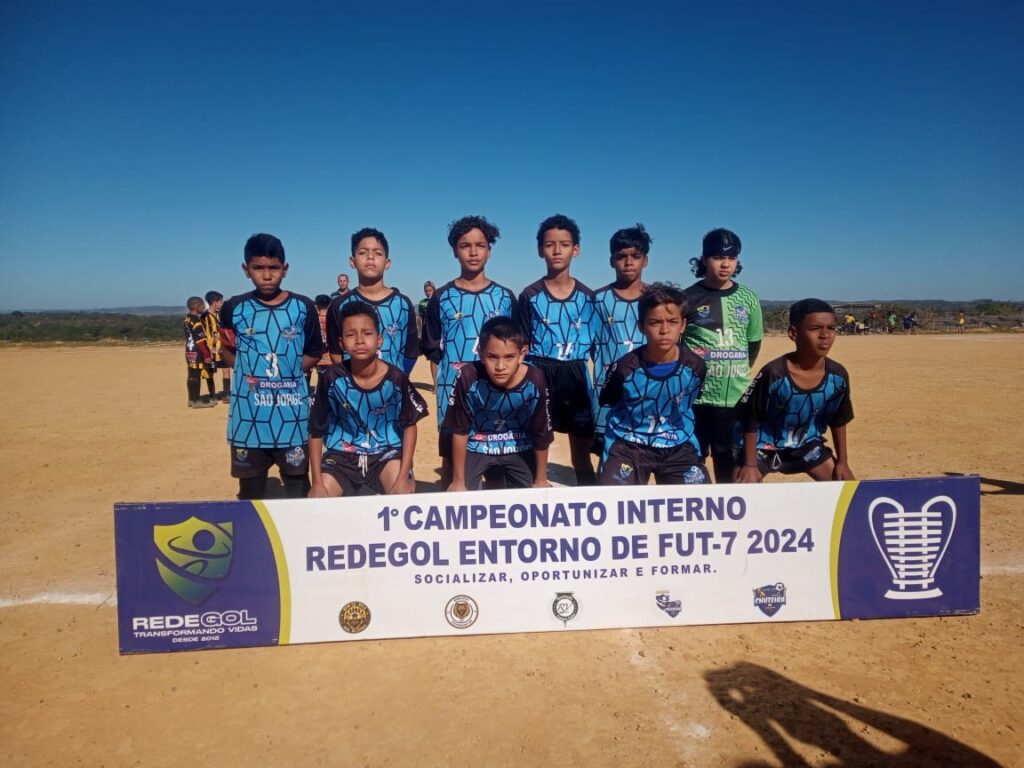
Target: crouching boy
651 392
498 414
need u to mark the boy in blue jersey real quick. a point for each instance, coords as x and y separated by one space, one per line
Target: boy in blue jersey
371 258
651 392
271 338
498 415
618 328
558 318
792 401
455 313
364 415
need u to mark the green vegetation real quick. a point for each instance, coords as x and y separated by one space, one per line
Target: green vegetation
88 327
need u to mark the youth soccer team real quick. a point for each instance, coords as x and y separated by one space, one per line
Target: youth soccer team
671 382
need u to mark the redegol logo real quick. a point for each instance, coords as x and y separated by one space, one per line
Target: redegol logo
193 557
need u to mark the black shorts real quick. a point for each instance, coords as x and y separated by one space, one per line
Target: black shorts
256 462
355 471
222 365
570 395
793 461
632 464
519 469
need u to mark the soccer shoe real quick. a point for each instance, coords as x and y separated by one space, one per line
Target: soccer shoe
201 404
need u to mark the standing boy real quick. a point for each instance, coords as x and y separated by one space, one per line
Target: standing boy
198 356
211 326
456 312
364 414
650 393
558 318
498 415
271 338
724 327
618 328
793 399
370 259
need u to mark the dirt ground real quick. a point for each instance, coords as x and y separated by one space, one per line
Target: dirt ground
91 426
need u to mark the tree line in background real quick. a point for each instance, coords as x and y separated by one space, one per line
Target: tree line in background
91 327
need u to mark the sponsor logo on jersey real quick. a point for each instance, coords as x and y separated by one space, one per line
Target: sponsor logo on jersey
625 470
726 354
354 617
193 557
565 607
295 456
693 476
392 330
770 598
665 602
291 333
813 455
461 611
741 313
703 311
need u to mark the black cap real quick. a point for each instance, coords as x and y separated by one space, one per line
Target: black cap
721 241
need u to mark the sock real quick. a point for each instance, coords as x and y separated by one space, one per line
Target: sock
295 486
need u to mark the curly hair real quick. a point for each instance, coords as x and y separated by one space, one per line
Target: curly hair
631 237
460 227
558 221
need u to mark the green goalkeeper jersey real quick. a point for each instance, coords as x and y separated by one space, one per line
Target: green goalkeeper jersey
719 326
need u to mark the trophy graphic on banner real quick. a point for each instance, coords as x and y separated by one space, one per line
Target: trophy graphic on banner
912 543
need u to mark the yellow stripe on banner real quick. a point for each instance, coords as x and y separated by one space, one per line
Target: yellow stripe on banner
842 507
283 582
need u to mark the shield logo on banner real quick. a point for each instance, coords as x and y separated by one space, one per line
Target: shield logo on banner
193 557
770 598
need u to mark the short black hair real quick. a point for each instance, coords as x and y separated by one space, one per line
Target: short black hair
502 328
264 245
356 308
370 232
806 307
631 237
212 296
717 242
322 301
558 221
658 294
459 227
195 302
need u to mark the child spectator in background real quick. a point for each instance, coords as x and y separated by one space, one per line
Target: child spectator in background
198 356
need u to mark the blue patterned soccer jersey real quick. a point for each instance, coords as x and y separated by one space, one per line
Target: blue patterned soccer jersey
397 326
618 334
451 329
558 329
356 420
269 398
500 421
785 416
653 405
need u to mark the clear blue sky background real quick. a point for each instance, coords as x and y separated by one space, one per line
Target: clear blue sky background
861 150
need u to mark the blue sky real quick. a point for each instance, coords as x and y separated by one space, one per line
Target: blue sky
866 150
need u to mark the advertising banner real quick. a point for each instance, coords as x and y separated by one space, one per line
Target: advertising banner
239 573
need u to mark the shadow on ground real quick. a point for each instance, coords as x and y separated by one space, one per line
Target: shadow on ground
1002 487
781 711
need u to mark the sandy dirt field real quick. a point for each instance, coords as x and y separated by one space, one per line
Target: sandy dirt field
87 427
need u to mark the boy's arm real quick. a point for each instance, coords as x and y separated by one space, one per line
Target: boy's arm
411 350
313 343
316 452
430 344
749 410
332 328
753 350
842 470
521 314
540 479
405 483
458 462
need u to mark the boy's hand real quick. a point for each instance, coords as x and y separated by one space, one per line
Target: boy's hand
317 491
457 485
842 471
748 474
405 483
541 482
